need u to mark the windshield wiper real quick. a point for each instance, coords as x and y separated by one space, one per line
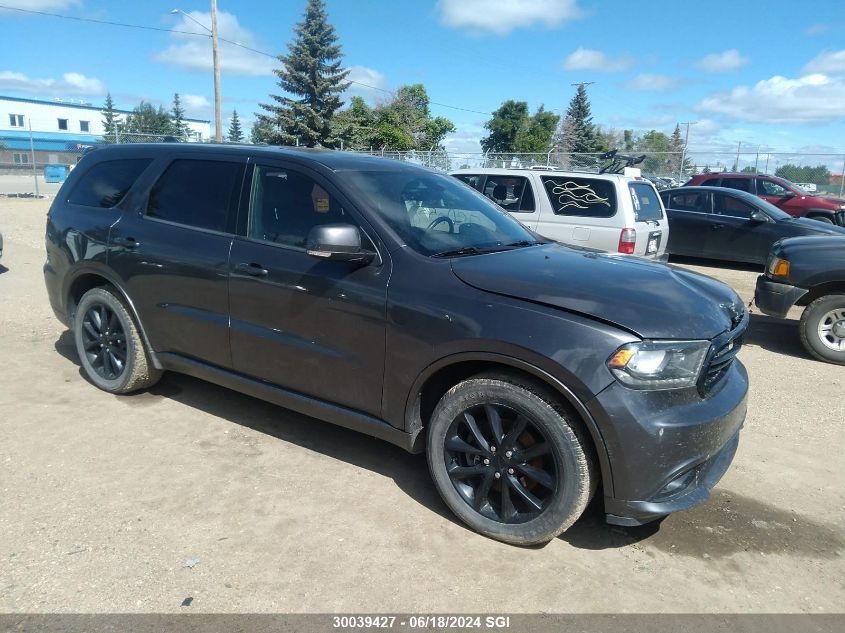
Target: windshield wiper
457 252
522 243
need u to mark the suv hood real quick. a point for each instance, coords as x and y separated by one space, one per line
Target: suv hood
651 300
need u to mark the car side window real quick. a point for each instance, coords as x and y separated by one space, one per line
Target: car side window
693 201
711 182
583 197
473 180
743 184
197 193
512 193
730 206
769 188
106 183
285 205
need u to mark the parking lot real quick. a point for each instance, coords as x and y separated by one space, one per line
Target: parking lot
135 503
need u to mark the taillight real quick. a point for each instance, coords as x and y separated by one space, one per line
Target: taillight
627 241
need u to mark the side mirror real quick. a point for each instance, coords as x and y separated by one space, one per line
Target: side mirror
339 243
788 194
758 217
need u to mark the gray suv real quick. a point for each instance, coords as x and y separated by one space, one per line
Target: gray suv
533 375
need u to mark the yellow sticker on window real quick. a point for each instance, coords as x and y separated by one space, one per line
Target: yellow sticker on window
320 199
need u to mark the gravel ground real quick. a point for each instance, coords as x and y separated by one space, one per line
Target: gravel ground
104 499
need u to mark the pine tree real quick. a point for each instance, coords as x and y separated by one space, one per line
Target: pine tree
177 113
312 72
583 131
111 122
235 135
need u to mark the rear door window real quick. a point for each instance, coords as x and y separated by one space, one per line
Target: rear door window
106 183
743 184
646 202
512 193
473 180
693 201
197 193
582 197
711 182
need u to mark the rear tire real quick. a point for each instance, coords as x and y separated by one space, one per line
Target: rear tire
109 346
822 329
507 461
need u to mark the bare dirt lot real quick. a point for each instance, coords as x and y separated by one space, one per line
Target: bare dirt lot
104 499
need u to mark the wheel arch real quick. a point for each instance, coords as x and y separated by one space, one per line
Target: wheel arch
440 376
820 290
84 279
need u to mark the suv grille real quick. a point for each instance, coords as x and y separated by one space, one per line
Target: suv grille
726 348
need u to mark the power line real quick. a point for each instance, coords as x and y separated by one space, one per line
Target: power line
222 39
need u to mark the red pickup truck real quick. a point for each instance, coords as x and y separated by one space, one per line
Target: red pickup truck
781 193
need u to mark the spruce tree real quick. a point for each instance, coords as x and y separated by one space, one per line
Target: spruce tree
110 120
312 73
177 113
583 131
236 134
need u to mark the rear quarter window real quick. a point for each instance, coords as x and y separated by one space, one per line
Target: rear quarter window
105 184
646 202
582 197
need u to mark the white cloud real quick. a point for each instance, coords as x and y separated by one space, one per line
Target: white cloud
811 98
649 82
817 29
196 106
589 59
40 5
374 80
827 62
194 51
72 83
724 62
500 17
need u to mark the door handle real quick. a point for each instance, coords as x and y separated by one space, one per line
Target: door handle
717 226
256 270
127 242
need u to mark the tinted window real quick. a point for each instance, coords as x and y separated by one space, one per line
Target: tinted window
196 193
769 188
646 202
105 184
512 193
728 205
435 214
693 201
711 182
743 184
285 206
581 196
473 180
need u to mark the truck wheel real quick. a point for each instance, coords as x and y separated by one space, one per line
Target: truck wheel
821 218
110 348
823 328
507 462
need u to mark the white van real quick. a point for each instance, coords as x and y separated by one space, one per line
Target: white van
618 213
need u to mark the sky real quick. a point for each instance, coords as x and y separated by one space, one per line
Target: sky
767 73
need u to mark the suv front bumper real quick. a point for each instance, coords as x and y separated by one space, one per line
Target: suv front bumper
668 449
774 298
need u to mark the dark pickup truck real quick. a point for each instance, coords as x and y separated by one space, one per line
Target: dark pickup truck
808 271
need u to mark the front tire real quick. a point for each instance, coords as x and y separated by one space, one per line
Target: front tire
823 329
507 461
109 345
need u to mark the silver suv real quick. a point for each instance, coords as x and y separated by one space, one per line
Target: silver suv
616 213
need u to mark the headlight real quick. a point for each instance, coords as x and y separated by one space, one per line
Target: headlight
778 267
659 364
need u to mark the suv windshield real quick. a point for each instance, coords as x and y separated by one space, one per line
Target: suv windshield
439 215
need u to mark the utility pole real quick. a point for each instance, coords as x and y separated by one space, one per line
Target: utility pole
684 151
736 164
218 116
32 151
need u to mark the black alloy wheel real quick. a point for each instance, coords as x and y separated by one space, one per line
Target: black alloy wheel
104 341
501 463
